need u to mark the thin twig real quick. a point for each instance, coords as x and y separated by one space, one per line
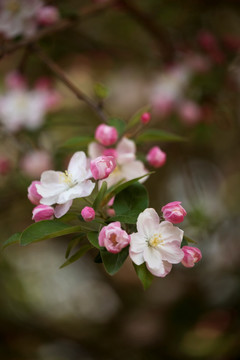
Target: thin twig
61 75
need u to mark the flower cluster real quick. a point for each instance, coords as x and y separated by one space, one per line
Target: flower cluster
23 17
100 180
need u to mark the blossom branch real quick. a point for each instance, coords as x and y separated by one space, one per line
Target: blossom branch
61 76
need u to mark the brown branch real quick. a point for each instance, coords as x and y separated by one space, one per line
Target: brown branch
155 30
85 13
61 76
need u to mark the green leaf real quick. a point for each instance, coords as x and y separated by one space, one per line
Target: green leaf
113 262
144 275
46 229
119 124
98 258
118 188
158 135
100 195
77 255
135 119
93 239
129 203
73 243
78 142
101 91
186 240
14 239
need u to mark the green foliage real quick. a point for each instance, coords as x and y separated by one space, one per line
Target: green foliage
129 203
100 195
73 243
78 142
77 255
93 238
14 239
119 124
113 262
101 91
144 275
158 135
46 229
135 119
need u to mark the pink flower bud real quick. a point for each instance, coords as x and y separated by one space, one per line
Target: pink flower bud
110 152
33 195
43 83
106 135
174 212
48 15
5 165
192 255
113 238
102 166
15 81
156 157
145 118
43 212
88 214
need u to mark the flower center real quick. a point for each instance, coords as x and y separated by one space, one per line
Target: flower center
155 240
113 239
67 179
13 6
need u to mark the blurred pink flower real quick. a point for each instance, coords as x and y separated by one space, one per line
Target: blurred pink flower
113 238
35 162
33 195
192 255
106 135
156 157
189 112
48 15
88 213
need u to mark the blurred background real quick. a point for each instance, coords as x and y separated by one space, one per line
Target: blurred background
182 59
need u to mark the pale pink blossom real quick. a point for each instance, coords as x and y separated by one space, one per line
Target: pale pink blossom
88 213
190 112
62 187
15 81
192 255
174 212
145 118
113 238
48 15
106 135
102 167
42 212
127 167
33 195
156 244
35 162
18 17
156 157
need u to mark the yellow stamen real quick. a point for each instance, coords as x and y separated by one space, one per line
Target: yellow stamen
67 178
156 240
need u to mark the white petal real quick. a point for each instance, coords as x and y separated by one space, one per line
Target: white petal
62 209
170 232
137 243
95 150
137 258
81 190
126 150
49 200
77 167
172 253
148 223
134 169
152 257
51 183
161 271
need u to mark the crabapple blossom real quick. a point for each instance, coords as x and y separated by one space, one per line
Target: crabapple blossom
48 15
145 118
42 212
88 213
18 17
157 244
113 238
174 212
15 81
35 162
106 135
192 255
102 166
62 187
189 112
127 167
33 195
156 157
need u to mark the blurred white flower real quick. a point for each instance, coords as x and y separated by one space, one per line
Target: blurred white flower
18 17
